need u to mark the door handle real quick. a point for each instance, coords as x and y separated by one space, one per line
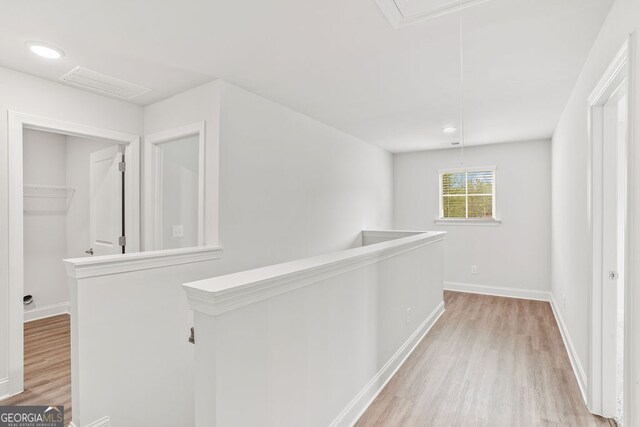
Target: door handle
90 251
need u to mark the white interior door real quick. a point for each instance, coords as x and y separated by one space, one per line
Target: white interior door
613 249
105 199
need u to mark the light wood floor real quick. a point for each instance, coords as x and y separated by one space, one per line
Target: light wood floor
47 365
488 361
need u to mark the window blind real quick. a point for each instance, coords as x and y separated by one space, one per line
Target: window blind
467 194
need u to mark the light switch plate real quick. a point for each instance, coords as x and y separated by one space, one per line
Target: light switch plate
178 231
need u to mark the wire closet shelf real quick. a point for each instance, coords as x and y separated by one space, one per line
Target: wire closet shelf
47 198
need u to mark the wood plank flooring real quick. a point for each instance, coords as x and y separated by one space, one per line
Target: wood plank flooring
488 361
47 365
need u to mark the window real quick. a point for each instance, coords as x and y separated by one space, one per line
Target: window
468 193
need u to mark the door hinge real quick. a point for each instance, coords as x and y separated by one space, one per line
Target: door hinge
122 241
122 166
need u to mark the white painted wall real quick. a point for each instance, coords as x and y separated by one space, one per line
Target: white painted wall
200 104
314 346
290 187
514 254
570 260
78 216
44 222
28 94
133 354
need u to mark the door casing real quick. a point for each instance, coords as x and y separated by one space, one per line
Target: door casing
16 123
617 74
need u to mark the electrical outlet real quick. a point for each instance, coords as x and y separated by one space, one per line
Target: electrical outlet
474 269
408 315
178 231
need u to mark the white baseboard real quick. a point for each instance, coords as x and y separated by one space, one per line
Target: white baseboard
46 311
102 422
4 388
579 373
497 291
367 395
532 295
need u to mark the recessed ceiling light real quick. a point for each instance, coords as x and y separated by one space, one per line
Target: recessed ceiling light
45 50
449 129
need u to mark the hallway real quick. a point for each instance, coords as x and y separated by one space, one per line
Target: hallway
488 361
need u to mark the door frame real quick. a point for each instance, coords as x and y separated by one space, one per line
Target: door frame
17 122
619 71
153 182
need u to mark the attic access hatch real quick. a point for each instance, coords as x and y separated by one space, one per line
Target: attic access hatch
401 13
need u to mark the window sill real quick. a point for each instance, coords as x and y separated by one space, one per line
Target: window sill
483 222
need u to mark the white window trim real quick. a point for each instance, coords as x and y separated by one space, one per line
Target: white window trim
467 221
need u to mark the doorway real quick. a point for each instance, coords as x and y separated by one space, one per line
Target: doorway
609 135
67 202
73 207
614 112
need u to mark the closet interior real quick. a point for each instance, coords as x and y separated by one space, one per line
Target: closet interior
57 214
